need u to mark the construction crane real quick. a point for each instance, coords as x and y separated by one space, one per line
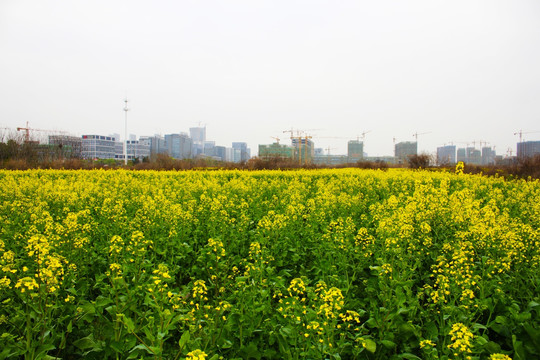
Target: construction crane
328 160
521 132
291 131
416 134
485 143
299 137
276 138
27 130
509 152
363 135
331 137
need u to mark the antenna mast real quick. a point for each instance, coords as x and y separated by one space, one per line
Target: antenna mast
126 109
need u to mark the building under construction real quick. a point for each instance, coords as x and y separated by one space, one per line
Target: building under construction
66 147
473 156
305 149
528 149
446 155
488 156
276 151
404 149
355 151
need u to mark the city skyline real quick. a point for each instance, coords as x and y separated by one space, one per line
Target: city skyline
459 71
41 135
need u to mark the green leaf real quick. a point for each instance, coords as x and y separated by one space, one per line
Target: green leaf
285 331
129 324
388 344
477 326
149 334
141 347
432 330
85 343
227 344
533 333
519 352
533 304
42 351
117 346
493 347
523 317
481 341
409 356
370 345
184 339
251 351
403 311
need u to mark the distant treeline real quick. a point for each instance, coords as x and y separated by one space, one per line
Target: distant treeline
17 155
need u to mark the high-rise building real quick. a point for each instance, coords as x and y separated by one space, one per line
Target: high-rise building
404 149
355 150
198 137
198 134
220 152
245 152
488 156
462 155
528 149
474 156
305 149
469 155
156 144
209 148
446 155
98 147
236 155
179 146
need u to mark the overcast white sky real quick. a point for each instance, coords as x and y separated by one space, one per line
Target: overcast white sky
460 70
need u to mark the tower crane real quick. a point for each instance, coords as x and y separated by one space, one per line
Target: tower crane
27 130
363 135
328 154
299 137
416 134
521 132
276 138
509 152
485 143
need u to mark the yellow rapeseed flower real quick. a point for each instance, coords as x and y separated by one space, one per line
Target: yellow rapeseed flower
196 355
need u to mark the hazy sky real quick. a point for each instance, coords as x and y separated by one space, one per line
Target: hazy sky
463 71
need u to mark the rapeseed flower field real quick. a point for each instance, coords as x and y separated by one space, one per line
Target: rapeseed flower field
318 264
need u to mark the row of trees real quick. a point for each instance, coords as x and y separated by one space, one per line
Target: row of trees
16 153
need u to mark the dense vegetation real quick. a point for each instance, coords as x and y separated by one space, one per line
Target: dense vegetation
365 264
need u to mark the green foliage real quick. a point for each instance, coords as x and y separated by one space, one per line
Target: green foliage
268 265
